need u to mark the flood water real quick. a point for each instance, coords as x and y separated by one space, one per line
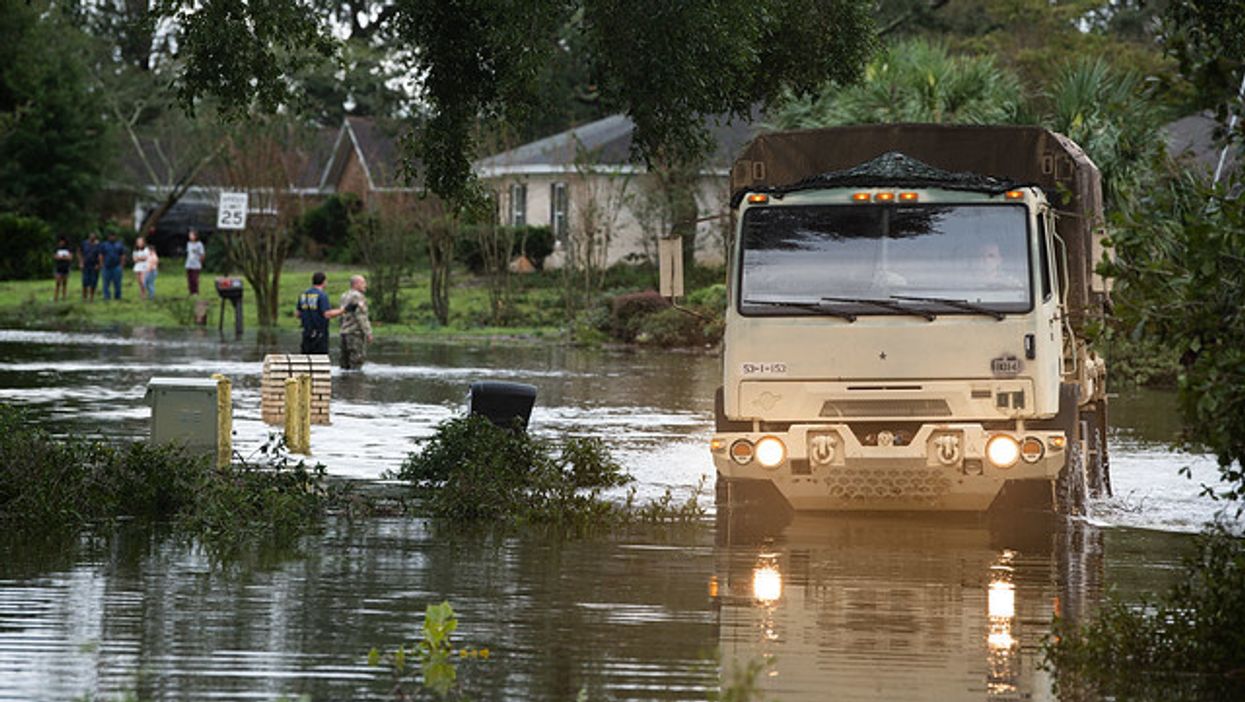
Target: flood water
849 608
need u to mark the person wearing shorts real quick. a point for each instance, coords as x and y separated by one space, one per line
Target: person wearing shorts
62 259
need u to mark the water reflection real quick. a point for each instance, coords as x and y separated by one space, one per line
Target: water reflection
887 608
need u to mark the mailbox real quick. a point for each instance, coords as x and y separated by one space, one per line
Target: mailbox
230 289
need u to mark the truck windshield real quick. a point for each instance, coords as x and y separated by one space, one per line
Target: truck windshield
923 256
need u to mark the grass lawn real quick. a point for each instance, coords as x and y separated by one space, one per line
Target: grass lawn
536 304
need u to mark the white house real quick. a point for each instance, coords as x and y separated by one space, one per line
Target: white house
582 180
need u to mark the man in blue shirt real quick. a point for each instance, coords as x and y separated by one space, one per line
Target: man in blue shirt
88 261
111 261
314 312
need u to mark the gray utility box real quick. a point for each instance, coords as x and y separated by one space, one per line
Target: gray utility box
183 411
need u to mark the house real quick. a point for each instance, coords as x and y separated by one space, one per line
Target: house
360 157
583 185
1198 141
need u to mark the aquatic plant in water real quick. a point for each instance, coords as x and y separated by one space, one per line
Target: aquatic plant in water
434 653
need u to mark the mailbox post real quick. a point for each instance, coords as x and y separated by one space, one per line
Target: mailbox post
230 289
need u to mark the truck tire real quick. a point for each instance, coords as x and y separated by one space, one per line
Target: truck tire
1071 489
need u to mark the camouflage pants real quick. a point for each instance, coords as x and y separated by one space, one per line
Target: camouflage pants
354 351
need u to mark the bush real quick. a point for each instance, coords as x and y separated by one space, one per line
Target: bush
50 485
627 311
27 243
1191 641
473 471
324 231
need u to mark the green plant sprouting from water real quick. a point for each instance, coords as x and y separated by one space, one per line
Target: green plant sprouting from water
433 657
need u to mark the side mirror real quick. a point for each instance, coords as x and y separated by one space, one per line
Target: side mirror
670 267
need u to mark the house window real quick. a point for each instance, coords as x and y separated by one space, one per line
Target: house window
518 205
558 206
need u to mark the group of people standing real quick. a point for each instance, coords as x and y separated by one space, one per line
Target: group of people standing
108 259
314 312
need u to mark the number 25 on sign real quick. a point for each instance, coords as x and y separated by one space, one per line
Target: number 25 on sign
231 214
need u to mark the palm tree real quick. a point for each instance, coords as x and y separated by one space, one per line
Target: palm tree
1106 111
915 81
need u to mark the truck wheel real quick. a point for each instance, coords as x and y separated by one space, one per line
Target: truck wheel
1071 488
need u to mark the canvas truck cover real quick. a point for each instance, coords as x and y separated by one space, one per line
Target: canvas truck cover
1021 155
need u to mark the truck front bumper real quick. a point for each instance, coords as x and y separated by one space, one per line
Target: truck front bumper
939 467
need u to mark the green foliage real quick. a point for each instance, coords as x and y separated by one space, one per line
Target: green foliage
667 65
915 81
1109 114
472 471
325 229
647 318
628 309
435 654
27 243
51 134
1208 39
1189 644
66 485
1180 266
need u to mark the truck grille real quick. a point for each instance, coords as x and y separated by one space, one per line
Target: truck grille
887 483
886 408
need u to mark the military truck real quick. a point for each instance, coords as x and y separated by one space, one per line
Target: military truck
908 321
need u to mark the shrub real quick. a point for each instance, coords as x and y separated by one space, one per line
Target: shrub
473 471
324 231
51 485
27 244
627 310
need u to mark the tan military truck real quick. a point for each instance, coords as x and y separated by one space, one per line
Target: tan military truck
907 321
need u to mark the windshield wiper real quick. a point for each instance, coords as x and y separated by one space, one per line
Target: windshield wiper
811 306
958 304
884 304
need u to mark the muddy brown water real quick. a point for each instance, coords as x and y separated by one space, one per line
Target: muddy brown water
841 607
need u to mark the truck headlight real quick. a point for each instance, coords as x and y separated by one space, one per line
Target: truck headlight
1003 451
771 452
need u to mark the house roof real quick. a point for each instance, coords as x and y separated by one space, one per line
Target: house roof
1196 140
609 142
375 145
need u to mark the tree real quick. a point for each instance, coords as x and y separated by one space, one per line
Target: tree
1109 113
666 65
916 81
264 160
387 237
52 150
1181 257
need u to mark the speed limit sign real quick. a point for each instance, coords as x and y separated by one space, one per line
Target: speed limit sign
231 214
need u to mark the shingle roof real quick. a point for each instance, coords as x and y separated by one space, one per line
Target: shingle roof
1195 139
609 141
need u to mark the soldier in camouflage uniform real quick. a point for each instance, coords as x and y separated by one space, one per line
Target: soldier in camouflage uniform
356 330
